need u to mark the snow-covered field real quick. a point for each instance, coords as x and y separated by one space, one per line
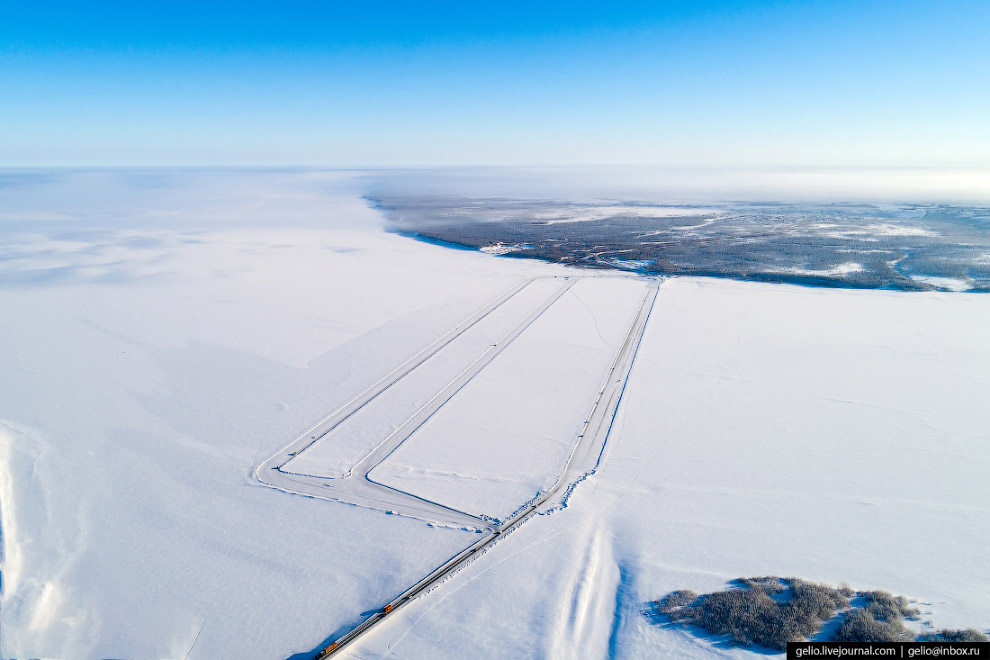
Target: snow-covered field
345 445
163 332
145 370
506 436
834 435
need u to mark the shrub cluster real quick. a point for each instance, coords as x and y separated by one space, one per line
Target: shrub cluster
771 611
768 611
674 600
881 619
968 635
860 625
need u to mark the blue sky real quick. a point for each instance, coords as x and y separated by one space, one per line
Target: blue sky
379 84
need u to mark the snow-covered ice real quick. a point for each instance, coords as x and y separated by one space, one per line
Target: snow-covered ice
506 436
337 452
833 435
144 371
162 332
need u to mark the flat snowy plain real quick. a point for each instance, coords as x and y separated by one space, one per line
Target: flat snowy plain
165 331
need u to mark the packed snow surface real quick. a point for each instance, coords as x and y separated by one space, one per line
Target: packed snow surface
344 446
506 436
164 331
160 336
766 429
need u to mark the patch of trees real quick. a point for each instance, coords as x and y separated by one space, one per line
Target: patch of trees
771 611
765 611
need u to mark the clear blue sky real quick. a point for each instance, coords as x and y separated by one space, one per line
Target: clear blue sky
378 83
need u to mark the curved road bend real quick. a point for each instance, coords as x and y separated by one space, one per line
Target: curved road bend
584 458
316 432
357 488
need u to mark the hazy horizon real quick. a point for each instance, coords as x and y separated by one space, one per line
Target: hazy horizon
677 185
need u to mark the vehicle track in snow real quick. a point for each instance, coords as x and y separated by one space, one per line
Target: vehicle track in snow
582 461
356 487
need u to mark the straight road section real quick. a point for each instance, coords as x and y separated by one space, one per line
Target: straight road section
357 487
583 460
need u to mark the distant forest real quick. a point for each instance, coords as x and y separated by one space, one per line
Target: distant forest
907 248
